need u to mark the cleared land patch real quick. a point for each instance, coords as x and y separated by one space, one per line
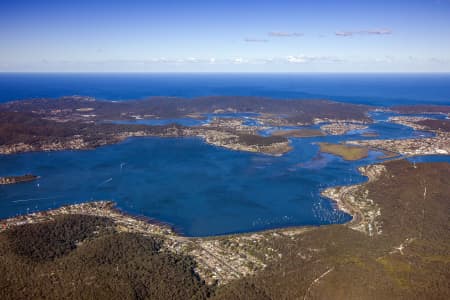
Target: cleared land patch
299 133
344 151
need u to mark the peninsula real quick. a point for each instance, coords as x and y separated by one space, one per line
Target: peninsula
78 123
84 123
439 144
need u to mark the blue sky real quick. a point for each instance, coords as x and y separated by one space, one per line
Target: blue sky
225 36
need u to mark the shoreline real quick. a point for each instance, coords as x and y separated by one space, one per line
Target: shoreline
273 149
365 212
103 207
223 258
94 208
73 129
336 194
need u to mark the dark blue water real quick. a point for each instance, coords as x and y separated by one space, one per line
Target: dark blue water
376 89
430 158
201 189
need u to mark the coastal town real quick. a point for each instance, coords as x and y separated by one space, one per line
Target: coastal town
233 134
219 260
340 128
438 144
410 121
354 200
79 123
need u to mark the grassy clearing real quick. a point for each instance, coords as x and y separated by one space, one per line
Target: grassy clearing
344 151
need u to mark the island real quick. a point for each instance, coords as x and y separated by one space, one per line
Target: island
347 152
339 128
17 179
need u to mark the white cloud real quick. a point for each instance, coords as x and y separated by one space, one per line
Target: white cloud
253 40
239 60
344 33
384 59
378 31
285 34
186 61
301 59
364 32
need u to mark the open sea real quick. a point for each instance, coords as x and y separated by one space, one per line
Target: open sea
201 189
376 89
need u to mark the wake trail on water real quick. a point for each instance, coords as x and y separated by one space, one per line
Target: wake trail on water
32 199
105 182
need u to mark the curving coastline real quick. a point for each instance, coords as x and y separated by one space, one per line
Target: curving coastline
309 261
218 259
364 211
77 123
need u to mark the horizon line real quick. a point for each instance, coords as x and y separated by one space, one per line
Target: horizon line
222 72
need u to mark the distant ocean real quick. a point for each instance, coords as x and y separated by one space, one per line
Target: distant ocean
375 89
